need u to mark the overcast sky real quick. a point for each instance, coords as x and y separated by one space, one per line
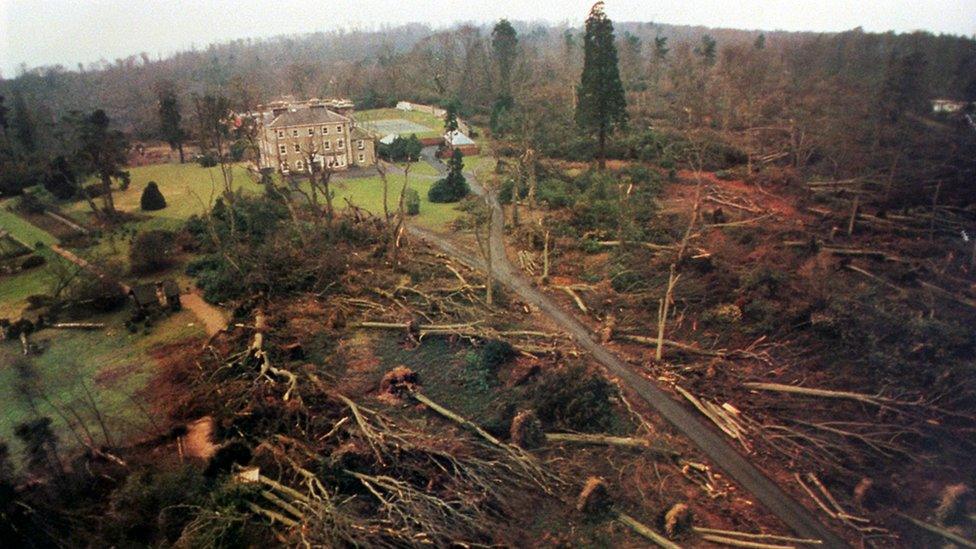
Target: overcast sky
42 32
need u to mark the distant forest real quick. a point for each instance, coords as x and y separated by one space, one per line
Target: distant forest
418 63
841 102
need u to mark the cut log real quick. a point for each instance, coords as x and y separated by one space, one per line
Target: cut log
572 293
748 535
78 325
646 532
721 540
951 536
608 440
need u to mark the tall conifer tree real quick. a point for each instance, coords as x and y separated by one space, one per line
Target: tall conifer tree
601 107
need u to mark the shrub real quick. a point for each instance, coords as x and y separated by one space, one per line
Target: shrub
495 353
402 149
29 203
207 160
151 251
411 199
154 505
32 261
574 399
152 199
60 180
452 188
102 294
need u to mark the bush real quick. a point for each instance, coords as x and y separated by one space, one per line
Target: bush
574 399
32 261
155 505
402 149
102 294
452 188
29 203
152 199
60 180
496 353
411 199
207 160
151 251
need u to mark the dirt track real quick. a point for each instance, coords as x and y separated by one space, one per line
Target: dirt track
791 512
212 318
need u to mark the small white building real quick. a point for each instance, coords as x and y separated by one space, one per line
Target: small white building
404 106
947 106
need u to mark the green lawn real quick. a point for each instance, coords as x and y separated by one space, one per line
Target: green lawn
113 364
14 289
187 188
21 229
423 168
368 194
480 165
435 123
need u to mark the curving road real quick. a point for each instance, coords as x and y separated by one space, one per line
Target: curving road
712 444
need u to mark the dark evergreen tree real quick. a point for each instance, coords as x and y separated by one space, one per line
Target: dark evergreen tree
152 199
60 179
760 43
451 116
501 115
661 48
504 49
102 153
170 119
706 50
454 187
904 86
601 107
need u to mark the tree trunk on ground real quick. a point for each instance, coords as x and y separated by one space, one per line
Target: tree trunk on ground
179 147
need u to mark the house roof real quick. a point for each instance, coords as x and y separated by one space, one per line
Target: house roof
389 139
171 288
458 139
359 133
144 294
306 117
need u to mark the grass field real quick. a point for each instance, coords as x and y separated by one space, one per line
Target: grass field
368 194
14 289
188 188
113 364
434 124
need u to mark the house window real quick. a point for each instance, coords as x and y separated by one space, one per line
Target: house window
340 144
299 165
298 148
361 144
325 130
362 158
311 131
282 148
294 133
328 144
339 129
284 166
281 133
